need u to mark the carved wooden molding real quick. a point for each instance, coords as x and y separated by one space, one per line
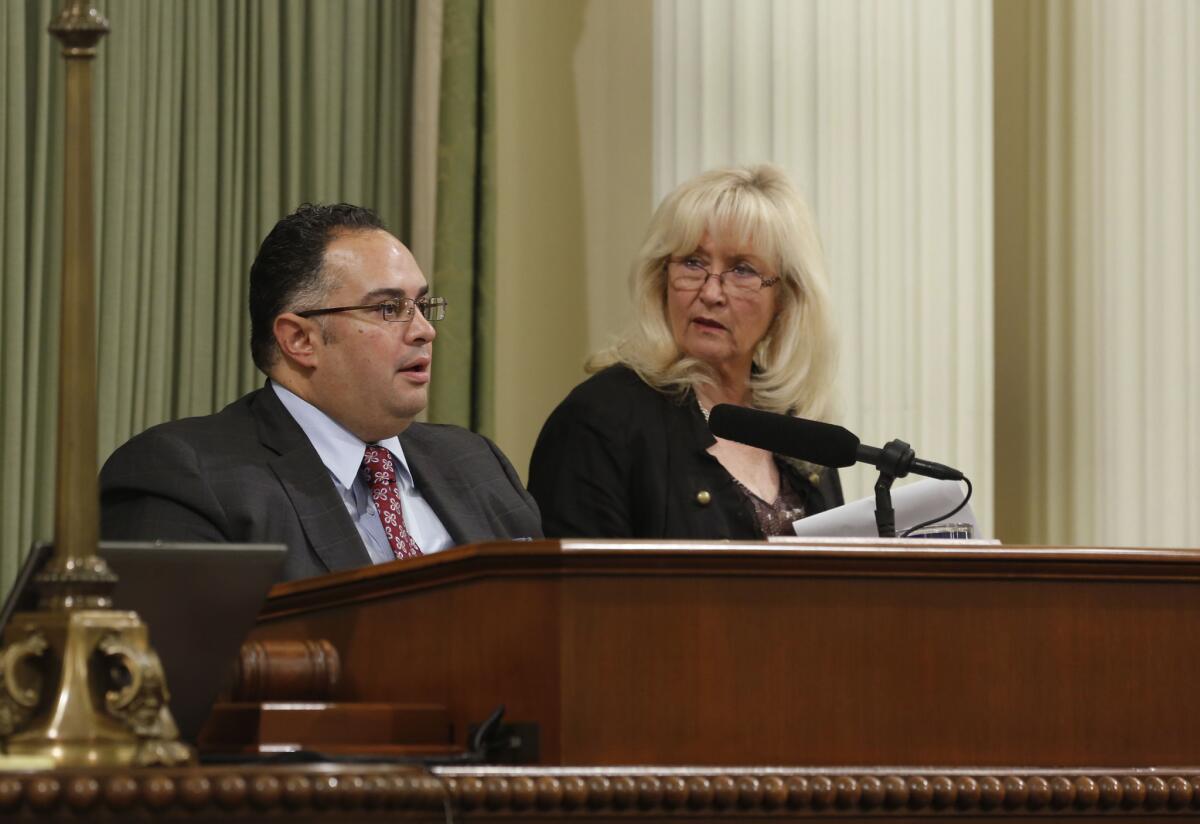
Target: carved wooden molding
687 791
334 790
339 790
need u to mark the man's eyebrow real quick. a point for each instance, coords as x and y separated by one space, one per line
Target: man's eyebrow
391 294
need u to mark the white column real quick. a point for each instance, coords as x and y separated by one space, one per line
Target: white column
881 110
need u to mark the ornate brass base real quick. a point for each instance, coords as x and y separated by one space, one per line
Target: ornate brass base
85 688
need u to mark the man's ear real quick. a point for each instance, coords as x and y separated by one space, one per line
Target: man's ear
298 339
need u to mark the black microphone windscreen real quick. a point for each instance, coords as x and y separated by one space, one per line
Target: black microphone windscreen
821 443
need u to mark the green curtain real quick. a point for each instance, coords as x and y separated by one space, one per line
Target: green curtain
461 391
213 118
31 146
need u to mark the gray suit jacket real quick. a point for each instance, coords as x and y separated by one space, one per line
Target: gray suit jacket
249 474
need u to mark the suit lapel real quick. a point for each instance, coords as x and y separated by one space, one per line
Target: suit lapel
331 533
444 492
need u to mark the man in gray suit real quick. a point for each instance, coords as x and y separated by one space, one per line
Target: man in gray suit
326 457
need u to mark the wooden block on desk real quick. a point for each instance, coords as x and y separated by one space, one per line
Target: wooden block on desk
328 727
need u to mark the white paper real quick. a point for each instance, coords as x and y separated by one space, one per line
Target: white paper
913 504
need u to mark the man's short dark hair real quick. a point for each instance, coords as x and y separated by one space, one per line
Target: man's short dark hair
289 263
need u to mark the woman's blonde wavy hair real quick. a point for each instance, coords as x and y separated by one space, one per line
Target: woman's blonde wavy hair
796 360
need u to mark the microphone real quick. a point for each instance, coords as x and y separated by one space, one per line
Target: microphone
825 444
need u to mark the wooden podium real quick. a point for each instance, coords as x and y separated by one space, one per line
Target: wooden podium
725 654
718 682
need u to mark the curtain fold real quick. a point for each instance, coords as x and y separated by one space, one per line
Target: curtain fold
212 120
426 96
461 389
31 158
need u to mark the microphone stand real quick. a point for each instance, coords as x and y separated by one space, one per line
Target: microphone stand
885 516
893 462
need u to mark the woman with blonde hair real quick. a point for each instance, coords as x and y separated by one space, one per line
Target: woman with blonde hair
731 305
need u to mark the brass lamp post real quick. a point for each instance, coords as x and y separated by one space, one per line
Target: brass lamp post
80 682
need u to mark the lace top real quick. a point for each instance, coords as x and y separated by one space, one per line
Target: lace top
776 518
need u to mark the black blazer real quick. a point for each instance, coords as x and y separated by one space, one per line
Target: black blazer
619 459
249 474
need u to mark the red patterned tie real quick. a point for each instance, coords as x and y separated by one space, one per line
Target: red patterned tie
380 474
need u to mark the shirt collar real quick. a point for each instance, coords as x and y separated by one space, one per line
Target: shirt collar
339 449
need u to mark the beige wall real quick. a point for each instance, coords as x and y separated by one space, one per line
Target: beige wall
1020 44
573 189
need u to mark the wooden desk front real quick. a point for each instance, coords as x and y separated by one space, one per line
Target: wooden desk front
744 654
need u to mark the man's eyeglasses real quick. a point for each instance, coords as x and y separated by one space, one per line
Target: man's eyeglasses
397 310
689 273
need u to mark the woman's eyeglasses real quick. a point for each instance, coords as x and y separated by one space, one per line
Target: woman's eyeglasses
689 274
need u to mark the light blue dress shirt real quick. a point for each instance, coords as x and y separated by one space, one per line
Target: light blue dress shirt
342 453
